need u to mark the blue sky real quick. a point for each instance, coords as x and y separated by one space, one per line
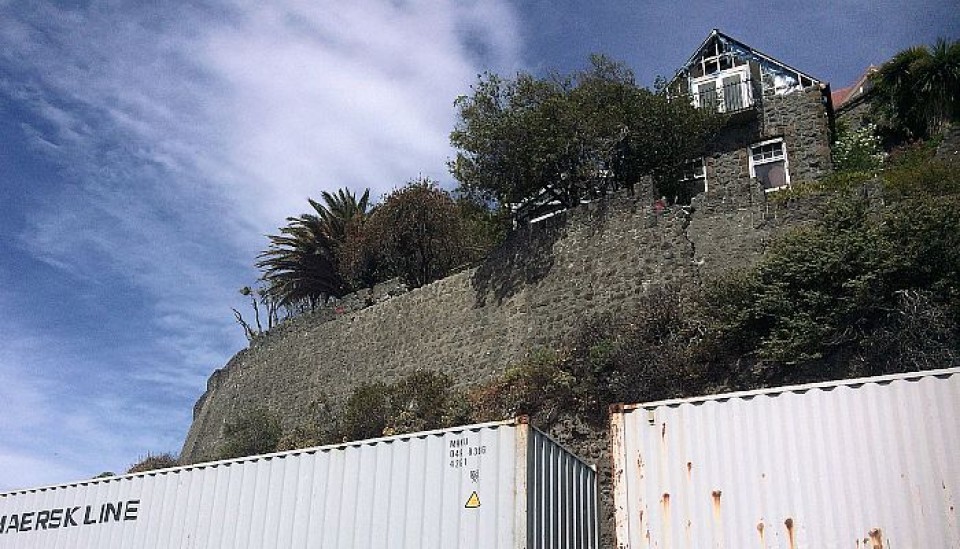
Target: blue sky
145 153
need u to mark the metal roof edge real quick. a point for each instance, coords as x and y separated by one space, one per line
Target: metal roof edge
718 32
286 453
909 376
713 32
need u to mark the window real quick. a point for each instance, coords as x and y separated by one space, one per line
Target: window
695 174
768 164
725 91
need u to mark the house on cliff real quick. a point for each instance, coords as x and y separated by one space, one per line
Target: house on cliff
779 122
778 127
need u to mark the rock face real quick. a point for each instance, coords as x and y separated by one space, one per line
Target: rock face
528 294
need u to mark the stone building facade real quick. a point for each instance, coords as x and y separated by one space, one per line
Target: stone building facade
778 120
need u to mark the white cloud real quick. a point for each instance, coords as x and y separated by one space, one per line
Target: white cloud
324 95
183 134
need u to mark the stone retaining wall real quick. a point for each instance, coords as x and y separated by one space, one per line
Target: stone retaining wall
529 294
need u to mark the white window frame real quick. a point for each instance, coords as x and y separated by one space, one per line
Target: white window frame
698 173
782 156
716 80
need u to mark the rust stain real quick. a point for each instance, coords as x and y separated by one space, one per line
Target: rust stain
716 504
876 539
689 469
791 535
665 501
763 542
663 431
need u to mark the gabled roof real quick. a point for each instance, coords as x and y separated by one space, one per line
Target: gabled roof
748 52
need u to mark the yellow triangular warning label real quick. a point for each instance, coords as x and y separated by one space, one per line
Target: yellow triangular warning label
473 501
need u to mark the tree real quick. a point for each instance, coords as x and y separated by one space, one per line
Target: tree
572 136
419 233
918 90
302 263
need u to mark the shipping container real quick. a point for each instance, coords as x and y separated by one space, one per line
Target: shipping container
864 463
493 485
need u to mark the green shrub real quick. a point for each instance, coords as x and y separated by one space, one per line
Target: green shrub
927 179
419 233
366 411
913 153
321 427
649 352
423 401
252 432
537 387
821 293
858 150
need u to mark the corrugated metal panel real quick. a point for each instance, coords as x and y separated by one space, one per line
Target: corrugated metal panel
857 464
562 497
456 488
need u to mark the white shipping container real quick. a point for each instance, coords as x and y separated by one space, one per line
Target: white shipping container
493 485
866 463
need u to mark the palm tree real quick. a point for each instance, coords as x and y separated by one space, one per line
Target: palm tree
938 83
301 263
918 90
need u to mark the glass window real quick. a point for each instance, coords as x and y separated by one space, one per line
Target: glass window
695 174
768 164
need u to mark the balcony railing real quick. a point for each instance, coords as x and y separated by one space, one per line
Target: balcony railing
734 95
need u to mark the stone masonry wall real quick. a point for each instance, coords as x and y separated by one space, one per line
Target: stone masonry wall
801 119
856 114
470 325
528 294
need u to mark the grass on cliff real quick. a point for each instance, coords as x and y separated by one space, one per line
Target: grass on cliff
152 462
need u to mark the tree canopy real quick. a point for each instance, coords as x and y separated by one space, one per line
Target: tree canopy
419 233
918 90
573 136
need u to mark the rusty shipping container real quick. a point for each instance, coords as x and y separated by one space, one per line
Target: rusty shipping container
493 485
865 463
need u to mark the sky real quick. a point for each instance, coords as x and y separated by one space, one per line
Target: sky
146 149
